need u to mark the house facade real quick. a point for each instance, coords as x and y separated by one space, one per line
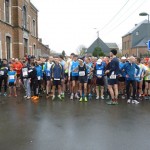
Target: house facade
135 41
19 30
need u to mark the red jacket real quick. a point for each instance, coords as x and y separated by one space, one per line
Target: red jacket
17 67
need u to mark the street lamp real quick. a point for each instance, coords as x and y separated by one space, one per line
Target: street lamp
144 14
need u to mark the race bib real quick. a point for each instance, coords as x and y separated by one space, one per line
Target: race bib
56 79
25 73
30 70
48 74
2 73
99 72
11 77
113 76
39 78
81 73
148 77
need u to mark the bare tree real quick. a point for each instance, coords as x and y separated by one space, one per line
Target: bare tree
81 50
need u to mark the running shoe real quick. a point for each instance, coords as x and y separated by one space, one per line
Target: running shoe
97 97
5 94
85 99
102 97
77 96
62 95
81 99
71 97
53 97
111 103
59 96
135 102
129 101
28 97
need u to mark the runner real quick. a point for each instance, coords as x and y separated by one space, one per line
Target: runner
12 77
130 70
47 70
90 76
99 71
147 82
139 78
82 71
57 74
34 82
121 78
3 76
113 70
17 66
25 79
63 63
74 76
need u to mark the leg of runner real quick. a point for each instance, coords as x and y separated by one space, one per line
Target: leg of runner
116 92
80 90
85 92
47 88
5 86
128 91
134 101
102 92
59 91
72 89
110 88
146 90
97 92
15 92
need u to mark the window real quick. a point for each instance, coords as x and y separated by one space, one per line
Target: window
24 17
25 46
34 28
8 44
7 11
34 48
137 33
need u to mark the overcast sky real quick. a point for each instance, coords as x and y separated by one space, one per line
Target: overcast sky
67 24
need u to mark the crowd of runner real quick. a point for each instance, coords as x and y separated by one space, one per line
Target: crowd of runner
82 78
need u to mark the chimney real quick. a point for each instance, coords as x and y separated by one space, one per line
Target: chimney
40 40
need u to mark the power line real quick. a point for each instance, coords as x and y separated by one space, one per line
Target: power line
114 16
133 12
133 4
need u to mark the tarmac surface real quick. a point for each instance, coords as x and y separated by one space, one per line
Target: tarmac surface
73 125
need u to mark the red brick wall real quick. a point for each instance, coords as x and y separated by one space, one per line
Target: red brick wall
15 30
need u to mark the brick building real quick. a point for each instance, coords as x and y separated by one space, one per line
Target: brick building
135 41
19 30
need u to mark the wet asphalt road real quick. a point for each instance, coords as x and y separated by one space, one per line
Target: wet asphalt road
71 125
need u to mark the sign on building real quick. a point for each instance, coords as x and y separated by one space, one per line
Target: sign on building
148 44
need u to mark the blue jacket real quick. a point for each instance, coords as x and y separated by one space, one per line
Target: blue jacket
130 70
39 71
122 72
57 71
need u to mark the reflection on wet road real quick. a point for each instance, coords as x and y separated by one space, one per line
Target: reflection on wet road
71 125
